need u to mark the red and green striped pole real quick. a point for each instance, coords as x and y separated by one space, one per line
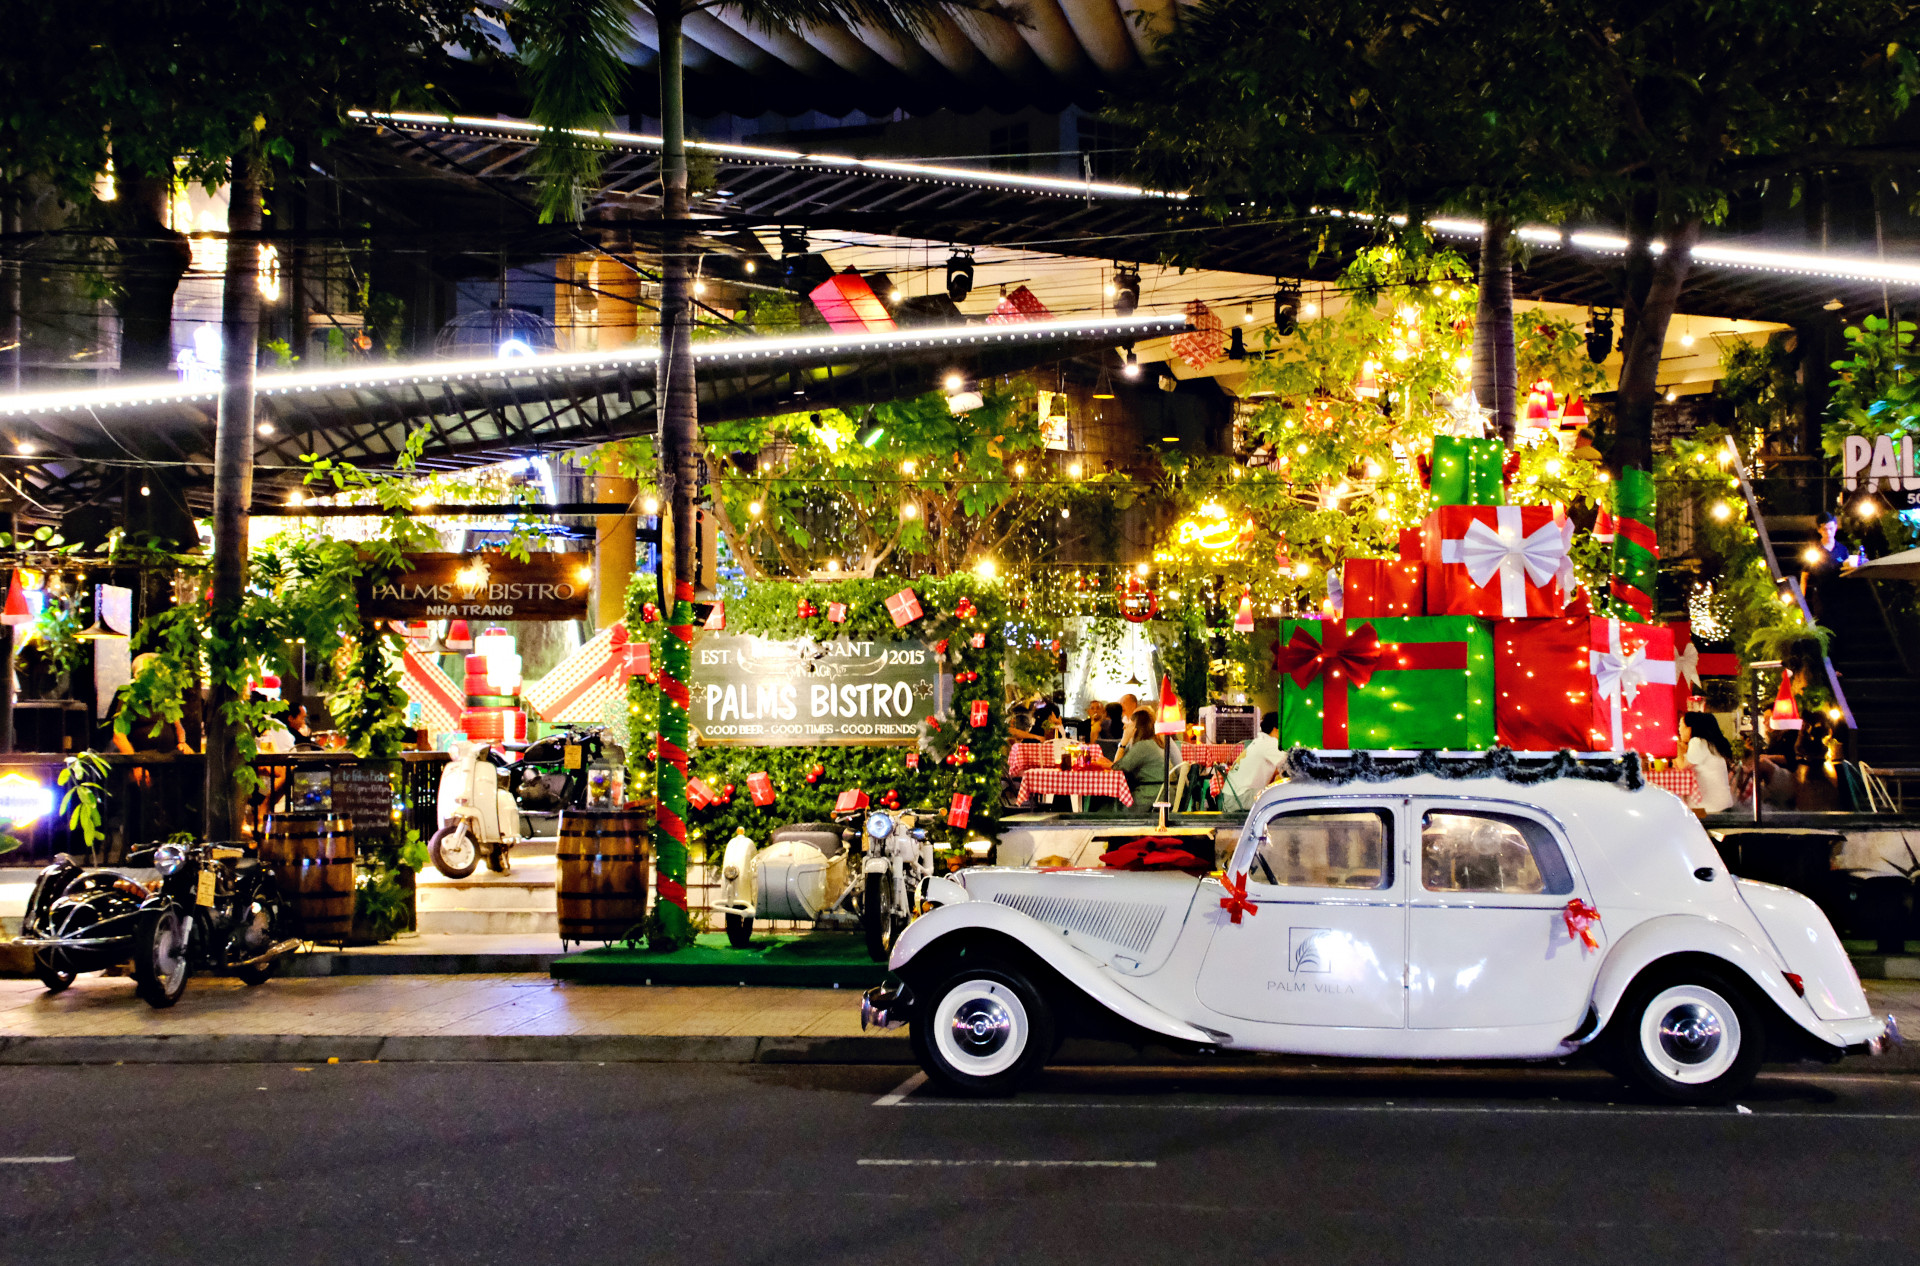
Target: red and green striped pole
671 927
1636 546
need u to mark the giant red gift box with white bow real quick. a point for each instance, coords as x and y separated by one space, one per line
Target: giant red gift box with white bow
1585 683
1374 587
1497 561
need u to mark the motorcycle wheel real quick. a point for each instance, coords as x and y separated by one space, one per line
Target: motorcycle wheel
267 920
453 851
739 931
160 966
52 977
881 925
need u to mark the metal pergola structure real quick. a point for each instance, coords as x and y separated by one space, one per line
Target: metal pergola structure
70 443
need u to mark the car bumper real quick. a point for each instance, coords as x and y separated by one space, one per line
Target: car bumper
1868 1035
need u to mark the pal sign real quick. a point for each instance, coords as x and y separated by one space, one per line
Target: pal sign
1881 464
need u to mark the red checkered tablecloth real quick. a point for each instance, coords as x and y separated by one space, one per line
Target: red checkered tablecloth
1025 756
1211 753
1075 782
1681 782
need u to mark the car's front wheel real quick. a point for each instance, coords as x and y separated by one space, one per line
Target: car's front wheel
985 1030
1689 1036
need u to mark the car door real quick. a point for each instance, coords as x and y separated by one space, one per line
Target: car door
1326 942
1487 938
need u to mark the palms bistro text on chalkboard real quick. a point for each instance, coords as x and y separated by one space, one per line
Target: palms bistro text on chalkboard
756 691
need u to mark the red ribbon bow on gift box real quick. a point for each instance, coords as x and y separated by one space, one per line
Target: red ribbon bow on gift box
1580 917
1338 652
1236 902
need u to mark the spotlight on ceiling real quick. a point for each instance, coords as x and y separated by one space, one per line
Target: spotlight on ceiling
1599 335
1132 368
1126 289
1286 310
959 275
1236 344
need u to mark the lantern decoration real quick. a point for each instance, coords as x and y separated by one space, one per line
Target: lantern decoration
1786 712
716 618
849 305
1021 305
1206 341
1137 602
1171 716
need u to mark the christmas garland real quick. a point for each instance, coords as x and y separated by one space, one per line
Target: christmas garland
952 758
1499 762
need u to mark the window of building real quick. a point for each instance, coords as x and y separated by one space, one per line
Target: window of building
1320 848
1490 852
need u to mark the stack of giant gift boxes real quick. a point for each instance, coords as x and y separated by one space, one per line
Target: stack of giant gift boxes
1475 635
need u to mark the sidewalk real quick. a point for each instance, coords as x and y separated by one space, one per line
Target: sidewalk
520 1017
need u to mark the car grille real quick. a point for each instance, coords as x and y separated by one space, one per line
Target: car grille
1128 924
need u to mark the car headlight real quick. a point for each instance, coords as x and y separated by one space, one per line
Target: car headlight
169 858
879 826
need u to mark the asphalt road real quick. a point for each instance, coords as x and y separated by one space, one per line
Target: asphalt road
583 1164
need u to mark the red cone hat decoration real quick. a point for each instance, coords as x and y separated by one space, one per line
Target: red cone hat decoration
1243 619
17 611
459 636
1170 717
1786 713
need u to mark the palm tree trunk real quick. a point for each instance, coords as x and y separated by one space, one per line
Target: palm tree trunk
232 489
676 405
151 259
1494 377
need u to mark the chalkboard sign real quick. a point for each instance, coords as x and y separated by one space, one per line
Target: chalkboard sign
364 793
756 691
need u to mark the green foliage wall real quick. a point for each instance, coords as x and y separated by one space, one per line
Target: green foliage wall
771 609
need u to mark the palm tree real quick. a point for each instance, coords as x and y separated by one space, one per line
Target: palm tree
571 52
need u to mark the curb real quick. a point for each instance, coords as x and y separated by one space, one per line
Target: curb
325 963
499 1049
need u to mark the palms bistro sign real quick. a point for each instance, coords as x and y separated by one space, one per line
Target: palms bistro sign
482 587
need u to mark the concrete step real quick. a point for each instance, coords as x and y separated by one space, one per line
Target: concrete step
532 895
495 922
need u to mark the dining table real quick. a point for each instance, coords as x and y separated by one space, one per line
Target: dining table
1078 783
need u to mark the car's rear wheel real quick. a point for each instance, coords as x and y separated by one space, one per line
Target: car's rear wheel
984 1030
1689 1036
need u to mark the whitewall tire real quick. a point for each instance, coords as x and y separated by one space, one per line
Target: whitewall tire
1690 1037
985 1030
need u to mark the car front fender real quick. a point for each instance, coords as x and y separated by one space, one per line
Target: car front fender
1073 966
1671 934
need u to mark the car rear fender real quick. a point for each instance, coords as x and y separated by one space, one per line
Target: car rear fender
948 922
1675 934
1801 933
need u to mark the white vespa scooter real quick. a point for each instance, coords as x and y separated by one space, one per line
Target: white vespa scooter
477 813
839 877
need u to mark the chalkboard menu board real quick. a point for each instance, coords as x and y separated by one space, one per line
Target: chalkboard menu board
756 691
364 793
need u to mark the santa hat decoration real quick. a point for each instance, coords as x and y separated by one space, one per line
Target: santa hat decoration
1243 619
459 636
17 611
1171 716
1575 415
1786 713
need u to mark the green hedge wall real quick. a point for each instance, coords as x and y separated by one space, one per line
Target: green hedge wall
771 608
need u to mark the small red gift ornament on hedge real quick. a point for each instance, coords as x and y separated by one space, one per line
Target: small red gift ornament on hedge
699 795
913 760
815 774
979 641
836 613
979 713
960 810
905 608
760 787
852 800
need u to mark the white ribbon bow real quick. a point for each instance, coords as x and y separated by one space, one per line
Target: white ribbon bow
1687 662
1516 558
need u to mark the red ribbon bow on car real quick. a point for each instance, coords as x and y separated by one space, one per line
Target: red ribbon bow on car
1580 917
1355 654
1235 903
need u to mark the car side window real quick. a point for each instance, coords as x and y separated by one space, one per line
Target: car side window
1326 848
1476 851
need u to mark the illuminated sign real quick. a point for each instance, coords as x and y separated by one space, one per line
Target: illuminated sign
1211 529
24 800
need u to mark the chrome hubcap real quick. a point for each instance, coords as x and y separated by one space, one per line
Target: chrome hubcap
981 1026
1691 1034
168 960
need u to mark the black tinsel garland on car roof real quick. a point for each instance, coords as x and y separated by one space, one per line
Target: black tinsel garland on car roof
1499 762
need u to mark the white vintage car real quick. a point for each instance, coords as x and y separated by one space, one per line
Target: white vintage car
1416 918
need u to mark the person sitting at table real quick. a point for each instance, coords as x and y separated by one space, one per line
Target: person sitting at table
1113 729
1704 749
1259 762
1088 729
1147 756
1020 726
1129 704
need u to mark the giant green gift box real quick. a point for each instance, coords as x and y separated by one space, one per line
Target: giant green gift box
1469 472
1392 682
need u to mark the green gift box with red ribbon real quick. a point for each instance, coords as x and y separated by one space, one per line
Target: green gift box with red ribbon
1398 682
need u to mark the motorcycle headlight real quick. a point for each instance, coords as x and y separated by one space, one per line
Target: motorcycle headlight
879 826
169 858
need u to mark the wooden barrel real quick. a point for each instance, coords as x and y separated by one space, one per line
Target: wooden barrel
311 856
601 888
